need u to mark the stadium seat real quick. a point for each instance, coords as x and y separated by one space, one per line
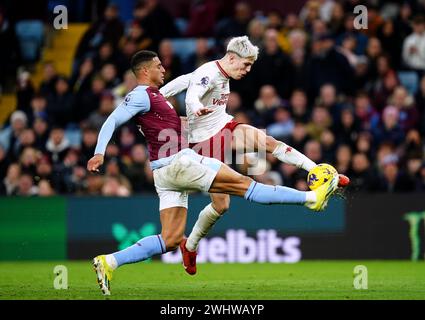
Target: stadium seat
181 24
30 34
410 80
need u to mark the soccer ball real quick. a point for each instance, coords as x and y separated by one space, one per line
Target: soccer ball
319 175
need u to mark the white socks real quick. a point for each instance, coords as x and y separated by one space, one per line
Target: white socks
206 220
289 155
310 197
111 261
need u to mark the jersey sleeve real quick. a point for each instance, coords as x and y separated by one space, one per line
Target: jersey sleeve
176 86
134 103
200 83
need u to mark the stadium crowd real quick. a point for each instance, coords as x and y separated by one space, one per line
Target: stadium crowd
351 97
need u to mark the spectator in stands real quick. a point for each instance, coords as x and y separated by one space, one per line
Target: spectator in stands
361 174
44 169
81 81
113 169
329 99
383 89
329 66
336 21
98 117
343 159
4 164
137 35
10 183
69 177
392 179
88 101
10 56
256 29
45 189
155 20
365 112
170 61
135 171
113 188
108 28
202 18
389 130
121 90
405 104
391 42
50 75
266 104
313 150
41 130
93 185
58 145
203 54
26 139
273 66
24 91
237 25
109 74
88 144
26 187
298 106
321 120
282 126
9 136
234 103
364 144
28 160
347 127
38 108
60 104
414 47
403 20
328 142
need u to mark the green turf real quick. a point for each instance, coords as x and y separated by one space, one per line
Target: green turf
304 280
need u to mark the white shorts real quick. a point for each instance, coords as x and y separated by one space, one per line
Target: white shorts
188 171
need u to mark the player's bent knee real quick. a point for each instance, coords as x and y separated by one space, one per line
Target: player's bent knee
172 241
222 206
271 143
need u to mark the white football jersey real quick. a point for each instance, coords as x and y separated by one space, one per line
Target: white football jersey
207 86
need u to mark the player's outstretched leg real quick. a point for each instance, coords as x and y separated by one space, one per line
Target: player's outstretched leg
245 134
229 181
173 221
104 265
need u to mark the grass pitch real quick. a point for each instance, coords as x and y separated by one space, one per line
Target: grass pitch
155 280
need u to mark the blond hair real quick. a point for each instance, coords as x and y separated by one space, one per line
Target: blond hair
243 47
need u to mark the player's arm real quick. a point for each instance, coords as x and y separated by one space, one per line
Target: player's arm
176 86
199 85
124 112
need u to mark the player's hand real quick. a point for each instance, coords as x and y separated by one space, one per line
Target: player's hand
203 111
95 162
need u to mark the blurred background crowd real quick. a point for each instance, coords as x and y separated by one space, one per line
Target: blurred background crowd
351 97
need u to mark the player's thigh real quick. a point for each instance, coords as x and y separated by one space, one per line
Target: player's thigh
230 182
252 139
187 172
220 202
